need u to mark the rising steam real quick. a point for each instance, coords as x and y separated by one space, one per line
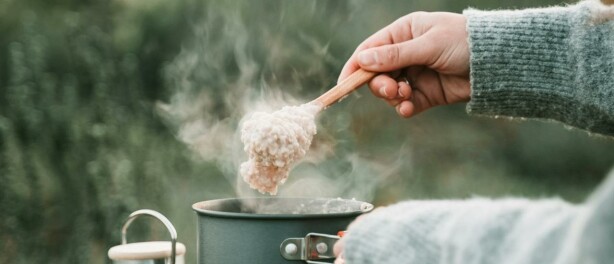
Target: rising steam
232 68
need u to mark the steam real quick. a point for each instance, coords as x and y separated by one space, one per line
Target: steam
232 68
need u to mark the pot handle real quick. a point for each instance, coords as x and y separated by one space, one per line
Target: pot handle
312 247
161 218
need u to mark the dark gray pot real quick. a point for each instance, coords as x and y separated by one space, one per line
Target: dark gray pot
252 230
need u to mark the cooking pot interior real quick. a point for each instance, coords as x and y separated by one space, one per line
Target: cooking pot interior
272 206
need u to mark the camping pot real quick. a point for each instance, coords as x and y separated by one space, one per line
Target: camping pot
150 252
272 230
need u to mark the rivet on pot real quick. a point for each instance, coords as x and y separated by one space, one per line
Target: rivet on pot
322 247
366 207
291 249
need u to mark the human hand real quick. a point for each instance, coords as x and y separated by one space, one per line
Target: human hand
338 248
423 59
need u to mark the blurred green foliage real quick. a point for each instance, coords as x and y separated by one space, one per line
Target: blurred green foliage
82 146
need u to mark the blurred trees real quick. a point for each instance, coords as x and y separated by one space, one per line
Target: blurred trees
81 144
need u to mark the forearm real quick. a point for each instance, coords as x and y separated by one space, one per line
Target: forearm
463 231
553 63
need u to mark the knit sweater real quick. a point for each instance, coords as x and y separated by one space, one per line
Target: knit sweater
553 63
480 230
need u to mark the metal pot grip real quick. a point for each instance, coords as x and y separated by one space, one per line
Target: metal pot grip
161 218
311 248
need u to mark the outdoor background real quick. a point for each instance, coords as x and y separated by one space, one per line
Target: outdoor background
86 134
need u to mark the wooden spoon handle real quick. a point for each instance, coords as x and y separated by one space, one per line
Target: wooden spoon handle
345 87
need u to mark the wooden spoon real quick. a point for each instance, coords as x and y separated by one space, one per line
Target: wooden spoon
344 88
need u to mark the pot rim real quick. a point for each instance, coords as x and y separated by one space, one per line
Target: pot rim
199 210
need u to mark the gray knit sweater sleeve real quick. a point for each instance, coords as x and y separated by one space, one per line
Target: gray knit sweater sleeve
479 230
552 63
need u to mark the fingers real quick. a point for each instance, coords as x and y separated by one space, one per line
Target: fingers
397 32
391 57
339 260
338 251
404 90
397 94
383 86
338 248
418 51
386 87
409 102
350 66
406 109
417 102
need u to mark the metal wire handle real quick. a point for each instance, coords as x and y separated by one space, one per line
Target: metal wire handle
159 216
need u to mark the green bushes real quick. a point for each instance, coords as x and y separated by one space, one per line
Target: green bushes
82 143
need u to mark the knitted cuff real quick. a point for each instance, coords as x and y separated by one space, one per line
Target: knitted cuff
536 63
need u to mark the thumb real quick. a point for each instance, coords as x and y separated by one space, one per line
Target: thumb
392 57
